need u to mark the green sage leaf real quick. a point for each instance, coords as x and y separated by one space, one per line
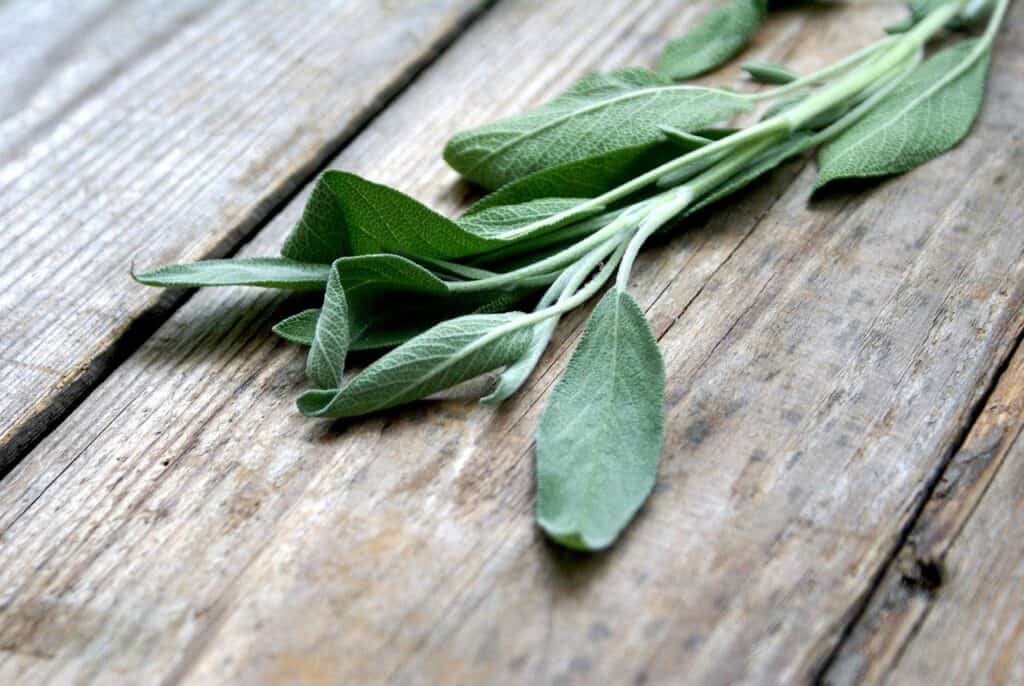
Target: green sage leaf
926 115
447 354
348 215
498 221
770 73
584 178
598 114
599 441
268 272
713 42
298 328
325 363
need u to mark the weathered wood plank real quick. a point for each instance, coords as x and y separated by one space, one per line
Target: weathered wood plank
166 134
949 608
185 521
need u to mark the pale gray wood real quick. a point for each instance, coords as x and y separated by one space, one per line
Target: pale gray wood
949 609
134 129
185 523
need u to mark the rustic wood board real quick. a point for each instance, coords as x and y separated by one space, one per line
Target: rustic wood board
164 134
950 609
822 364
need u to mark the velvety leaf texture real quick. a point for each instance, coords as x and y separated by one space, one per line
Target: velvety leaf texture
501 220
926 115
598 114
268 272
325 363
584 178
347 215
718 38
599 441
447 354
298 328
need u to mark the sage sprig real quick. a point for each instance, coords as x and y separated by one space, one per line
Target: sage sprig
579 185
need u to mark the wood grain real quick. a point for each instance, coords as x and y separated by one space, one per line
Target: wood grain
183 523
948 610
163 131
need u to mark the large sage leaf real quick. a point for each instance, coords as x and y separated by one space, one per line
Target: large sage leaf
718 37
268 272
348 215
448 354
598 114
600 438
926 115
498 221
583 178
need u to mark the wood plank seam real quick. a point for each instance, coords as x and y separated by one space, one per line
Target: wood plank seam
905 542
125 340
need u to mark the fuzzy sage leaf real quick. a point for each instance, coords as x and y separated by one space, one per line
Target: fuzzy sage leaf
267 272
717 39
448 354
598 114
929 113
599 440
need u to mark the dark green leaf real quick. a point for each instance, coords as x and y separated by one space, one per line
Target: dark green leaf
298 328
599 440
348 215
585 178
448 354
926 115
325 363
719 37
599 114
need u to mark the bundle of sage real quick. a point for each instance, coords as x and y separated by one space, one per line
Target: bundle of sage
579 184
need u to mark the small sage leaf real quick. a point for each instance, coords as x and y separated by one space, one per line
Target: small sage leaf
298 328
445 355
268 272
325 363
770 73
599 441
926 115
598 114
718 38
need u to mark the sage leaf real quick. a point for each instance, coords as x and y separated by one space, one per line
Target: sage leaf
926 115
584 178
325 363
599 441
347 215
501 221
716 40
445 355
298 328
268 272
598 114
770 73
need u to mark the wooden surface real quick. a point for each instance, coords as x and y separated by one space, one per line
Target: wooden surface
825 361
163 131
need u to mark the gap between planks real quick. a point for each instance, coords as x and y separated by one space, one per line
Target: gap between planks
63 389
